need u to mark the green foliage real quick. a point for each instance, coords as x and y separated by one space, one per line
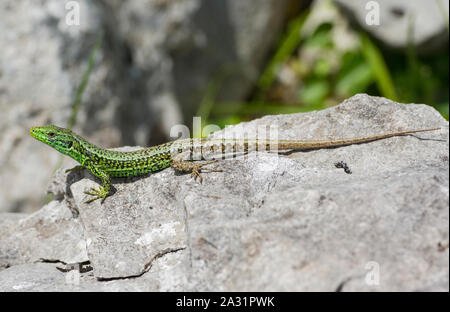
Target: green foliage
325 74
288 44
378 67
84 81
79 95
314 92
354 77
321 38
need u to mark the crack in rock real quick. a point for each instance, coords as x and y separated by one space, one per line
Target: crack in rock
147 266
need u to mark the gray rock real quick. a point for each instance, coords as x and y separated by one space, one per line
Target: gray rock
49 234
228 46
142 82
226 42
397 18
166 274
269 222
8 223
124 239
32 277
42 62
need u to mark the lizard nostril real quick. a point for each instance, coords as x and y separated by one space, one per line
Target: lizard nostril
33 132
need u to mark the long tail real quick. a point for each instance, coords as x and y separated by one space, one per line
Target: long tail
286 145
236 146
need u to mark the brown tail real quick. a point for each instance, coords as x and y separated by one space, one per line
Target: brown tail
286 145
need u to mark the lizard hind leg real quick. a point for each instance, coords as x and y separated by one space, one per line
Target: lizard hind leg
194 169
197 168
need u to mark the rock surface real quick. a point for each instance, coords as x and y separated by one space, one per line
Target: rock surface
58 235
397 19
142 82
269 222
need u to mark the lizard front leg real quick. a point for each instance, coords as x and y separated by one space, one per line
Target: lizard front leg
103 190
179 163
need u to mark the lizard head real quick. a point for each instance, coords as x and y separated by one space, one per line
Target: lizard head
63 140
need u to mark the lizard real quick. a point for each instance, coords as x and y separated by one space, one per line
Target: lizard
106 164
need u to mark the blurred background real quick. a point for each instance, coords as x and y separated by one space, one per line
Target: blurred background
125 72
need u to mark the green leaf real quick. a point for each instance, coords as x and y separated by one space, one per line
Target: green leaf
321 37
354 81
289 43
76 103
314 93
443 109
322 68
378 66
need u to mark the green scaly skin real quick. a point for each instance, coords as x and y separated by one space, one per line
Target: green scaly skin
106 164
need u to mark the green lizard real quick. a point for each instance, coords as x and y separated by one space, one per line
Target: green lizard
179 154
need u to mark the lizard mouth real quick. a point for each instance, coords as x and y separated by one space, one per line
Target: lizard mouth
33 132
37 133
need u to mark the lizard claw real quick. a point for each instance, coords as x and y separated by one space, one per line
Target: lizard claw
97 193
196 173
197 169
194 169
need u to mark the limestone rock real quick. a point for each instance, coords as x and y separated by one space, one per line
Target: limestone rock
395 20
142 81
270 222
